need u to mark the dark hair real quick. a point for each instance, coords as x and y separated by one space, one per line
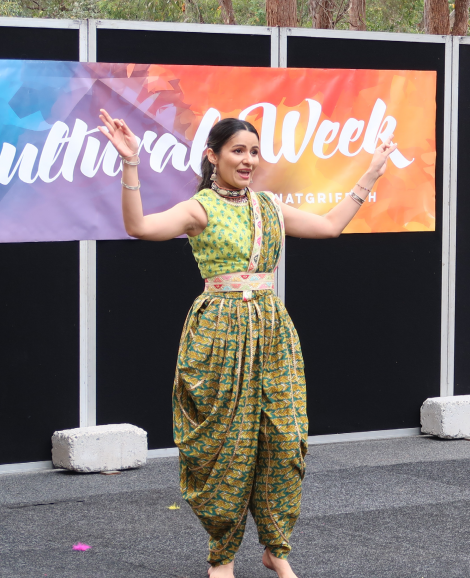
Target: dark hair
220 133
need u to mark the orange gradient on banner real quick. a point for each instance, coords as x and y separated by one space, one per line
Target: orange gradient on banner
324 162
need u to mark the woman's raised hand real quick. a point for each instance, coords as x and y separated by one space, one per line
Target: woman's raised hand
123 139
378 163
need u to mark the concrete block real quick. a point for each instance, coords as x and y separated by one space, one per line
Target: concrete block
446 417
100 448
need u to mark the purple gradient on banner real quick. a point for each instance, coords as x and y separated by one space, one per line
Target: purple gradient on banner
86 208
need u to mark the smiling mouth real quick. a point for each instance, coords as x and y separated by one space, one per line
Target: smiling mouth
245 174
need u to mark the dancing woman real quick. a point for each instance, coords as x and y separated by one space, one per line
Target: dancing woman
239 408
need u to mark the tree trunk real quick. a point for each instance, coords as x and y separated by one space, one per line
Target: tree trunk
321 12
357 15
436 17
461 17
281 13
226 8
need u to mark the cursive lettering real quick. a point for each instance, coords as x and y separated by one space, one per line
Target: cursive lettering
166 148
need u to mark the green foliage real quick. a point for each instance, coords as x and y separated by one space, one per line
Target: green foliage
153 10
381 15
10 8
395 15
85 9
250 12
247 12
73 9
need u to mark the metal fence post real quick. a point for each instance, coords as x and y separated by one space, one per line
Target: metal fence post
449 215
87 287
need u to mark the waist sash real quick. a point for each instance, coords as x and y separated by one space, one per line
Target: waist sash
246 282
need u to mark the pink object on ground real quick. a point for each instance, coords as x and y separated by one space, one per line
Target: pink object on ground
81 547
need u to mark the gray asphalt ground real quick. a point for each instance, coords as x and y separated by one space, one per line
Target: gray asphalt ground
373 509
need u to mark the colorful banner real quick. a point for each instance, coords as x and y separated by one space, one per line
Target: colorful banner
60 178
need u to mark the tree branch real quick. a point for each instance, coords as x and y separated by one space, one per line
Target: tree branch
37 7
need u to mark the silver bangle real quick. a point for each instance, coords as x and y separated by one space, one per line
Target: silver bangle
129 186
356 198
133 164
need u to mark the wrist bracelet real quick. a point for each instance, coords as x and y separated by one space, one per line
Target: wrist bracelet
134 155
361 187
130 187
356 198
133 164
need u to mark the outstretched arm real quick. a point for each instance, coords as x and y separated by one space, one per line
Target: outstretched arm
187 217
309 226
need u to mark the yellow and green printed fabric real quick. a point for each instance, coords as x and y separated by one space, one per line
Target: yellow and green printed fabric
225 244
239 408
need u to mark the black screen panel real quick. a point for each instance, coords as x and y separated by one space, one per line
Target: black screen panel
39 297
39 43
462 302
143 46
145 290
305 52
39 300
367 306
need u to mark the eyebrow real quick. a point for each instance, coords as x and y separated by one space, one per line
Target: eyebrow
244 146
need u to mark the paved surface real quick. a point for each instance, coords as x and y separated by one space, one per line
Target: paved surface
376 509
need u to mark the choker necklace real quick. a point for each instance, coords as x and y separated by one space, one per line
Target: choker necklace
226 193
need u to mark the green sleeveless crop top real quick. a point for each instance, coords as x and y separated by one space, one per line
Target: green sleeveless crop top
225 244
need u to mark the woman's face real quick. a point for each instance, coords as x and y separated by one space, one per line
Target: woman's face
237 160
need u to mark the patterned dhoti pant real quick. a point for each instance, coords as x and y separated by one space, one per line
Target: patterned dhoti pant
240 420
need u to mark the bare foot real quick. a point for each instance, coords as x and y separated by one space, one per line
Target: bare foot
281 567
222 571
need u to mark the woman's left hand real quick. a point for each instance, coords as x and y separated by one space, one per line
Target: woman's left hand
378 163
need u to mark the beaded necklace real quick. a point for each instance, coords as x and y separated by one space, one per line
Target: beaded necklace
232 197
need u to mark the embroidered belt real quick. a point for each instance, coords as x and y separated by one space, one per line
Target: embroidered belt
246 282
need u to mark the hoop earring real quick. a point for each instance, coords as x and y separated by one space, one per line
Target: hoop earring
214 174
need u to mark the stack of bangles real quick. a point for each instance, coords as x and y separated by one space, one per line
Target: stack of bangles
126 161
357 198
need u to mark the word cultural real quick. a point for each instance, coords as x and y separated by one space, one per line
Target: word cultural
62 147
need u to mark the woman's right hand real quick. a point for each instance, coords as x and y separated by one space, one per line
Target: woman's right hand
120 135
